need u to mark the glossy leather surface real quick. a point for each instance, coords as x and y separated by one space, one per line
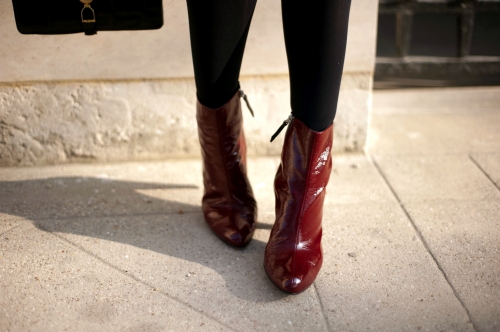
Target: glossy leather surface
293 254
228 203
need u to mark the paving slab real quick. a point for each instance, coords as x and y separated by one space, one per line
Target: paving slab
162 187
50 285
121 189
178 255
464 238
355 180
428 177
442 100
490 164
434 133
378 276
94 190
140 225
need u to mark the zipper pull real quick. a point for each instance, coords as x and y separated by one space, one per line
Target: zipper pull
283 125
242 94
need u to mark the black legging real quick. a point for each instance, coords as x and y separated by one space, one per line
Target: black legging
315 38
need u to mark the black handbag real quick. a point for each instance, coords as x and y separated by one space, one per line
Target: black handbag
73 16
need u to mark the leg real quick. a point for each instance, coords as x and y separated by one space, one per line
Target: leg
315 36
218 31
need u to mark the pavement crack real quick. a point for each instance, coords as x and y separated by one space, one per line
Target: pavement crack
153 288
10 229
474 161
327 324
423 241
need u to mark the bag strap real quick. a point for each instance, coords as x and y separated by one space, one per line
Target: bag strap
89 28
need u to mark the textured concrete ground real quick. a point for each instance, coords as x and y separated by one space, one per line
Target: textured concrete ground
411 236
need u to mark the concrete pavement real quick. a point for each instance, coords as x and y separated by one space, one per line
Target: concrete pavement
411 236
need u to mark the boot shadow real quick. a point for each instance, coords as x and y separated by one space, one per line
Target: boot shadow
138 214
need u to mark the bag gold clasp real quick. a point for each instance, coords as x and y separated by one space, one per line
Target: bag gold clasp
86 5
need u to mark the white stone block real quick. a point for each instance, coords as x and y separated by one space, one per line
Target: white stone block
47 123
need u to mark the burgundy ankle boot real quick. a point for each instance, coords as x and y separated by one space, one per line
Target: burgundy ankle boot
293 254
228 203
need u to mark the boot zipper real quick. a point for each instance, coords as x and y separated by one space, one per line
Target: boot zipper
244 96
283 125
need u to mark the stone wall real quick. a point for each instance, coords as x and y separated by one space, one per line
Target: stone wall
130 95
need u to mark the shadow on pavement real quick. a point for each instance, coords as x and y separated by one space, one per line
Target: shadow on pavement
129 213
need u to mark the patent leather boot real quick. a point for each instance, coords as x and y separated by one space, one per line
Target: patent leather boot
293 254
228 204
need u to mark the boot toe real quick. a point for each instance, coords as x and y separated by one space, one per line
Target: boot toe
230 226
293 285
293 271
240 239
287 282
234 237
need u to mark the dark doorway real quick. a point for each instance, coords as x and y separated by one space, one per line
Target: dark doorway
438 43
